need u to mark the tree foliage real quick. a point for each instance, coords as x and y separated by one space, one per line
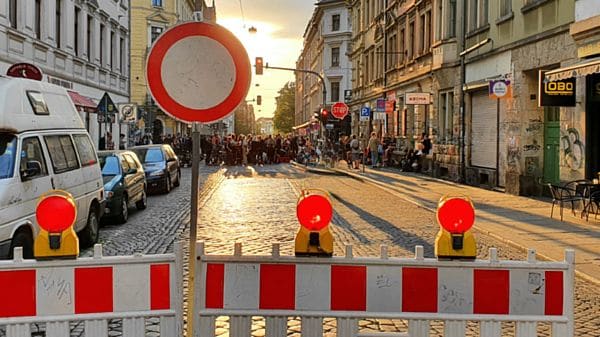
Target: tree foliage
283 118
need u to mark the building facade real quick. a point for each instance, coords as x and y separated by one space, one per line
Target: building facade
265 126
326 46
82 45
149 19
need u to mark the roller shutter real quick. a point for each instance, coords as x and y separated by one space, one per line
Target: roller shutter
484 130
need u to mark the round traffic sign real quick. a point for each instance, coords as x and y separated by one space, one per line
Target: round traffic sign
456 215
198 72
56 212
314 212
339 110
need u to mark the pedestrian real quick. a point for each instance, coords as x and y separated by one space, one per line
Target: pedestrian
355 148
374 149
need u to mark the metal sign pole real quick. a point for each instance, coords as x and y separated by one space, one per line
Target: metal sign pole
193 227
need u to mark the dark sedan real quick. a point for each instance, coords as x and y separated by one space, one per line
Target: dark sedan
161 166
124 183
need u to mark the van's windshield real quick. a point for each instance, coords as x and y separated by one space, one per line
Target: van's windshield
8 147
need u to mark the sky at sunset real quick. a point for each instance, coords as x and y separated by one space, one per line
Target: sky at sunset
280 25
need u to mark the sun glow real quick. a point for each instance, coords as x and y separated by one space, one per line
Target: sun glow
276 51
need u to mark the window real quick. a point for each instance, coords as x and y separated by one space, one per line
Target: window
8 151
101 45
428 32
335 57
76 29
446 112
58 18
62 153
335 91
112 50
155 33
31 150
335 22
402 45
422 34
411 40
36 99
451 28
85 149
392 54
38 19
109 165
131 162
13 13
122 60
90 38
367 72
478 14
505 8
124 165
157 3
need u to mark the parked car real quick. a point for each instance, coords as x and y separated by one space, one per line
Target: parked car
43 146
161 166
124 183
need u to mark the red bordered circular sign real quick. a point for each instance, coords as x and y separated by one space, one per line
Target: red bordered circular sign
198 72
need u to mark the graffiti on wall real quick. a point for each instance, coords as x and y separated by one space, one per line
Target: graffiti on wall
513 150
572 149
534 127
533 147
532 165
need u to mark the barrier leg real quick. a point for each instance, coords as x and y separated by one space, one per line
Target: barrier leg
418 328
526 329
134 327
240 326
312 327
276 327
455 328
491 329
96 328
18 330
205 326
347 327
168 326
57 329
559 329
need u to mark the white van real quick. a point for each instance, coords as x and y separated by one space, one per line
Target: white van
43 146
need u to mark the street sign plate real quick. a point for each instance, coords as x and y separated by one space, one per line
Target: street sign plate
339 110
347 95
365 113
198 72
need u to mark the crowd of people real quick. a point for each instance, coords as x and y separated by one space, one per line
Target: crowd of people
268 149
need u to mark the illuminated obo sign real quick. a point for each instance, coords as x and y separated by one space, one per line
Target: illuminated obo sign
556 93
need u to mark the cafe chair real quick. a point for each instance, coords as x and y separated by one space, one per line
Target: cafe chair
563 195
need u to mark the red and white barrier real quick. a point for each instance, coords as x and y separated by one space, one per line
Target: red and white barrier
422 289
92 289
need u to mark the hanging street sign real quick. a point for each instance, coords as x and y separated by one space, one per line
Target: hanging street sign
198 72
365 114
25 70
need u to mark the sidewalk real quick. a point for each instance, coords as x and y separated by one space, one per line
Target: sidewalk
521 221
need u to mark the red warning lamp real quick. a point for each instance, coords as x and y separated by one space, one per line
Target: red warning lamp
314 212
56 214
324 114
456 215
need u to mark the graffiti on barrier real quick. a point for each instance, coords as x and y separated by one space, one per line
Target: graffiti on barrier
572 148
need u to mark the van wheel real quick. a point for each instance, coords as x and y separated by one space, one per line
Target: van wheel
22 238
143 202
176 183
89 235
122 218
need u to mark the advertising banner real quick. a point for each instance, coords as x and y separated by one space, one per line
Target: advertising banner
556 93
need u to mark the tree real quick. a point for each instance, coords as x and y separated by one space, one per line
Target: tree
283 119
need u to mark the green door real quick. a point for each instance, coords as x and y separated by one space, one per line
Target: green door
551 144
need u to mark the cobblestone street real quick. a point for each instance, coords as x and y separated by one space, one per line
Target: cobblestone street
256 206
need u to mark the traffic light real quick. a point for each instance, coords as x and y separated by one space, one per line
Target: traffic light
314 211
324 115
258 63
455 216
258 99
56 213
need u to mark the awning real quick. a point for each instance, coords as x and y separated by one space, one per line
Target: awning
583 68
82 101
